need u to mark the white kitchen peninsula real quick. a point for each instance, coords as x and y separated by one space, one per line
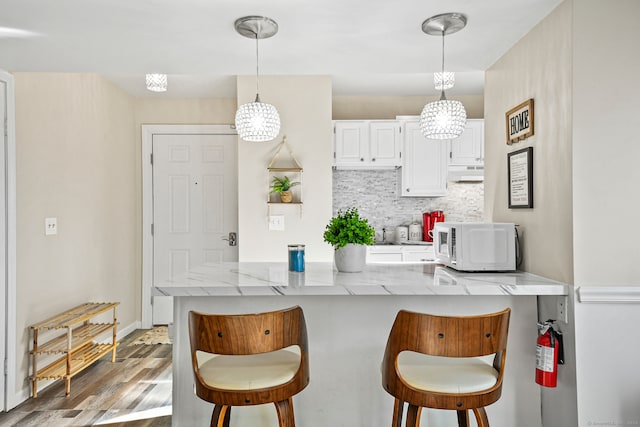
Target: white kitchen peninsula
348 317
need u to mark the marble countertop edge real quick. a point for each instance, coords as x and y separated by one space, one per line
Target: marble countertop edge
321 279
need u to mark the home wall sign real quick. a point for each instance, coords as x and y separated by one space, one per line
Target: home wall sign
520 122
520 171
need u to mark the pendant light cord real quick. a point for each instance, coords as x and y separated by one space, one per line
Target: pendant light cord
442 97
257 68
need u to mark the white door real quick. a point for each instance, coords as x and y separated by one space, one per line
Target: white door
9 398
195 207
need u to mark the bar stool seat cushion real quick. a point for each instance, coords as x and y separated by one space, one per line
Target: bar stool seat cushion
249 372
446 374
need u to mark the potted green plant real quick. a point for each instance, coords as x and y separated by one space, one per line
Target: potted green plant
282 185
349 234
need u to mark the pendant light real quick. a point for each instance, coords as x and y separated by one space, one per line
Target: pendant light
257 121
156 82
444 81
445 118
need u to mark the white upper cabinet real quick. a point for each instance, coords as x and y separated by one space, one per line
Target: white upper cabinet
424 164
367 144
384 143
467 149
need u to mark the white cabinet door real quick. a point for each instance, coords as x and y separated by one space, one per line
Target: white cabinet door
419 254
467 149
351 143
384 254
384 143
400 254
367 144
424 164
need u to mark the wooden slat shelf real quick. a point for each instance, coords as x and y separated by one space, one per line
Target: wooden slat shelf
80 359
282 203
296 169
81 335
76 348
79 314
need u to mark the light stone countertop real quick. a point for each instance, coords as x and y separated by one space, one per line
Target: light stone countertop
274 279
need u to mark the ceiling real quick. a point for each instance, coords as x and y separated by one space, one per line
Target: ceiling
369 47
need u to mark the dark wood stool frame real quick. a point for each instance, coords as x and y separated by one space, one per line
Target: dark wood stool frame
447 336
244 334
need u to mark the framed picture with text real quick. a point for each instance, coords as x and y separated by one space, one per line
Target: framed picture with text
520 122
520 173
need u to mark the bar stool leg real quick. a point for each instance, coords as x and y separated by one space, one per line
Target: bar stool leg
398 409
413 416
481 417
220 416
463 418
284 408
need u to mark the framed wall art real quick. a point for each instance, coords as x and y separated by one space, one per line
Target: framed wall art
520 172
520 122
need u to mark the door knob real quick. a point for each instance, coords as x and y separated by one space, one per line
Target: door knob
233 239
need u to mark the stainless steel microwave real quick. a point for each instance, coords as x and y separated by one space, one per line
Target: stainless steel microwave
475 246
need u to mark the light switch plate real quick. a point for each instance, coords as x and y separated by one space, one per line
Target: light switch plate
50 226
276 223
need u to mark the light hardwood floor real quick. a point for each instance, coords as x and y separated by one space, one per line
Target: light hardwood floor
134 392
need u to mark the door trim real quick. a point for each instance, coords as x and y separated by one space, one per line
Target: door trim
9 334
147 198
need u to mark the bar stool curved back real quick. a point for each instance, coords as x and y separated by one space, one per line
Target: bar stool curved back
249 359
435 362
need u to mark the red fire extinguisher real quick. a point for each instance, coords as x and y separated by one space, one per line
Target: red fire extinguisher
549 353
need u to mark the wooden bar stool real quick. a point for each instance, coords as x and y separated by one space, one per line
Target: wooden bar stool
434 362
249 359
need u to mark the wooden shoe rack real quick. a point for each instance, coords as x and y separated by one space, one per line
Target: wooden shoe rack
75 349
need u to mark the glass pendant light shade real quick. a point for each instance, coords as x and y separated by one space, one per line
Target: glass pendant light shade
156 82
443 119
257 121
444 81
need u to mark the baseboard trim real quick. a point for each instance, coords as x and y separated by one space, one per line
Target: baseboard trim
609 294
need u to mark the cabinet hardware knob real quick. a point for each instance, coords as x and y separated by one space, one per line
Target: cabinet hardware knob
407 190
373 160
362 159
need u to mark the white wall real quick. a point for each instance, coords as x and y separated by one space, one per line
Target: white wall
606 147
531 69
597 172
304 104
388 107
606 178
76 162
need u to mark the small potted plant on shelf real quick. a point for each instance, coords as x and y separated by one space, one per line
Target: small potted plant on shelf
349 234
282 185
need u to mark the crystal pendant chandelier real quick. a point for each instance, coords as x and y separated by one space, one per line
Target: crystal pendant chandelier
444 81
257 121
445 118
156 82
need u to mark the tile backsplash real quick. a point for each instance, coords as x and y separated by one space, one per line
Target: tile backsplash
375 194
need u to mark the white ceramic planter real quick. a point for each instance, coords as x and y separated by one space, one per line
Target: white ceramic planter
351 258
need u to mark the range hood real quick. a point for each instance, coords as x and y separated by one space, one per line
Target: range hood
459 173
